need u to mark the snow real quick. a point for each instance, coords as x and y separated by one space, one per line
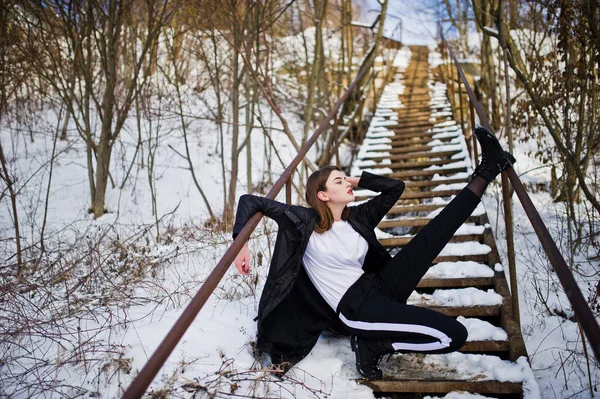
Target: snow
469 296
480 330
459 269
463 248
220 336
458 395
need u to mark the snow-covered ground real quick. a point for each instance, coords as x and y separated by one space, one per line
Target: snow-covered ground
89 334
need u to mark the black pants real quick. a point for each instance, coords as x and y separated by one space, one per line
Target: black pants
375 306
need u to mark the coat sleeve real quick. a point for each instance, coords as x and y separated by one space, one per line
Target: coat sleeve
248 205
375 209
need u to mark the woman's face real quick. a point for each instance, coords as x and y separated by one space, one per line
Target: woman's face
339 190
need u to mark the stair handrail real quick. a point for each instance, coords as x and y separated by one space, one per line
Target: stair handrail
160 355
583 313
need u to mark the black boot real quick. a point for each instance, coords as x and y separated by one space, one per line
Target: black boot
494 159
368 353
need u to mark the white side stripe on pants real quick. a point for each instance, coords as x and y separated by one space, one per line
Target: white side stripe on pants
444 340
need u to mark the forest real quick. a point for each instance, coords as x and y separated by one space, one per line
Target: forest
129 129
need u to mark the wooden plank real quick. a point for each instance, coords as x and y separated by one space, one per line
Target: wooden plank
485 346
471 311
402 134
408 195
408 112
408 119
429 194
417 141
424 154
433 183
414 208
401 241
414 155
404 126
431 386
456 282
414 165
457 258
412 222
418 173
409 149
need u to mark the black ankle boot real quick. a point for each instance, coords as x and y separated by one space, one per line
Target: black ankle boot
494 159
368 353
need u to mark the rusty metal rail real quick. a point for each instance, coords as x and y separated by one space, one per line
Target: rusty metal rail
158 358
580 307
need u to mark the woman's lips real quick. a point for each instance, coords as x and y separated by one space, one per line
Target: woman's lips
350 191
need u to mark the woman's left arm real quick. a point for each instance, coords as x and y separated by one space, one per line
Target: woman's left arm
376 208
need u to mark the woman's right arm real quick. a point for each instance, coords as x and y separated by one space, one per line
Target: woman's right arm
248 205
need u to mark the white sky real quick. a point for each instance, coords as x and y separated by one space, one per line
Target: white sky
417 16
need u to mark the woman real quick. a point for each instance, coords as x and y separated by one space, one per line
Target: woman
329 270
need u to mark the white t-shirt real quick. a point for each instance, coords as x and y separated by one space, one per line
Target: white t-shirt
333 260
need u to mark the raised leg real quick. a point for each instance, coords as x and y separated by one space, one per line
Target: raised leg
402 273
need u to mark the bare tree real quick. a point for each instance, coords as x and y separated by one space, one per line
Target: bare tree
487 86
13 67
458 14
95 33
573 93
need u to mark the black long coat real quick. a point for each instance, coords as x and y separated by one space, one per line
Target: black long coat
291 312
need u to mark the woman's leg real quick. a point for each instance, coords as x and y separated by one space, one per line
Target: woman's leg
382 325
400 276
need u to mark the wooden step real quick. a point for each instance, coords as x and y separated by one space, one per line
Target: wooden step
422 173
433 183
402 133
416 155
404 126
414 165
423 95
467 311
456 282
417 195
429 194
408 149
414 208
411 134
401 241
431 387
412 222
418 109
460 258
485 346
416 141
407 112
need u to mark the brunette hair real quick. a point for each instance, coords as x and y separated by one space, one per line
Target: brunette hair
317 182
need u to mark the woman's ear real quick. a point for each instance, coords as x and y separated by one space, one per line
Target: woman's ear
322 196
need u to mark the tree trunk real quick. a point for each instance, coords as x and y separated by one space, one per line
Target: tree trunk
488 81
235 112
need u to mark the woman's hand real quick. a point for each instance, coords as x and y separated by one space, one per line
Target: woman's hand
353 180
242 260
